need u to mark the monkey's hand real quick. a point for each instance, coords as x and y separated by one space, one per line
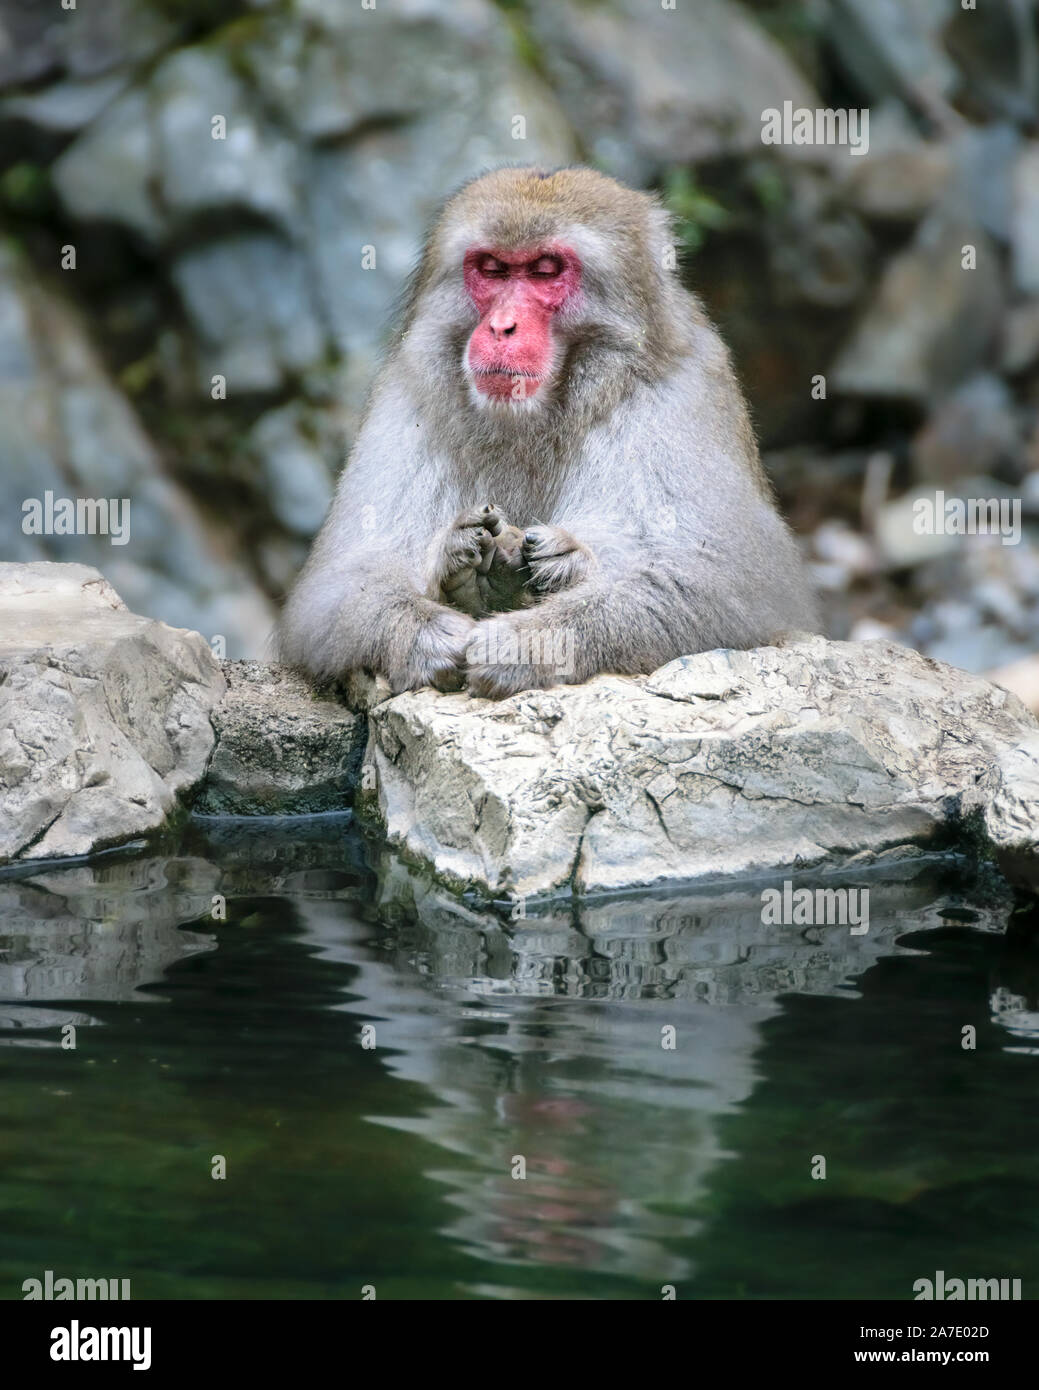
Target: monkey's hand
435 655
556 559
480 566
503 657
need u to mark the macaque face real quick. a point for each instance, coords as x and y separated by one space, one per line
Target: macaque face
514 350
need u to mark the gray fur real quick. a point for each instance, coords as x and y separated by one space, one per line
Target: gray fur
644 453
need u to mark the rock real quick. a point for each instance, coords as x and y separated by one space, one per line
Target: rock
296 479
65 107
648 88
932 322
85 41
104 716
1004 806
870 630
106 174
726 763
902 176
907 536
1024 228
892 49
981 603
66 428
253 340
94 39
972 431
280 748
1020 337
330 76
250 169
837 544
995 50
984 184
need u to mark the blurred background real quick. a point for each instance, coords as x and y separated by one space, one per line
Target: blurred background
345 127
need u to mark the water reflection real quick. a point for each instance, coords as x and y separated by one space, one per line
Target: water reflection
624 1052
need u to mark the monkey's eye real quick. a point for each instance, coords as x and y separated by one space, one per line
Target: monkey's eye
546 267
490 265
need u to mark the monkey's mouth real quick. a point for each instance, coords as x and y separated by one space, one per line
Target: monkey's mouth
506 383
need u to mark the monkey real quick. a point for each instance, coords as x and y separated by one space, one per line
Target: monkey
549 366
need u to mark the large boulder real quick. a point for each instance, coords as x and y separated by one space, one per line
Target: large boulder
104 716
725 763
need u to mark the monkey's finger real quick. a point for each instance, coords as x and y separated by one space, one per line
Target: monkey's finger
486 544
543 542
472 517
493 519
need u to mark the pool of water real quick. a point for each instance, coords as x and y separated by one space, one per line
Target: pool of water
502 1044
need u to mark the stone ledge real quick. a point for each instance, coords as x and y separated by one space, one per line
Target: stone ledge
725 763
281 747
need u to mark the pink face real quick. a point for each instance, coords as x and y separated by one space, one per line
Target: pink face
517 295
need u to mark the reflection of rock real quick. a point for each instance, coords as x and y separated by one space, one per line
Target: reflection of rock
540 1036
516 1071
93 934
104 716
1012 1012
708 944
280 748
722 763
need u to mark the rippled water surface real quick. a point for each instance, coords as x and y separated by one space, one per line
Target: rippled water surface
497 1039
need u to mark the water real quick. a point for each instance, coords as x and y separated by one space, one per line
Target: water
541 1038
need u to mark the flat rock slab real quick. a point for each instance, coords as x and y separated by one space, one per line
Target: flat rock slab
724 763
281 747
104 716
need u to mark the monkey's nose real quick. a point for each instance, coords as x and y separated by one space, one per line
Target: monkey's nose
503 329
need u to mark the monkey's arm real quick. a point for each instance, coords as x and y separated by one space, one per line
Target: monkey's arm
359 601
685 552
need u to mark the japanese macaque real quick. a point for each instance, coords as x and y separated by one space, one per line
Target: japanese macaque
555 458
